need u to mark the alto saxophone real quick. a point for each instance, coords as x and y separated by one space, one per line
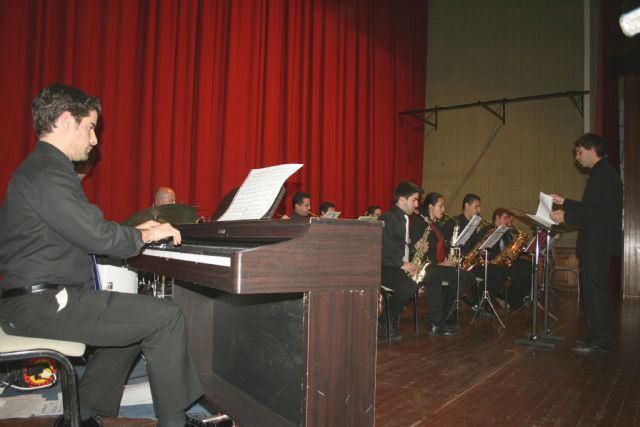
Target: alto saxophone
420 259
452 257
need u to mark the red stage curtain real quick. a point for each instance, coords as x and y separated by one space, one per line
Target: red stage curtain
607 109
196 93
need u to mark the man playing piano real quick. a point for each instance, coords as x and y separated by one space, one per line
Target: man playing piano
48 230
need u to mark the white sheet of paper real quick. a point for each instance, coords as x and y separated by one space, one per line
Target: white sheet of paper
258 192
543 213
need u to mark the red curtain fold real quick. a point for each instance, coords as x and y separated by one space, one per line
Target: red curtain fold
197 93
607 108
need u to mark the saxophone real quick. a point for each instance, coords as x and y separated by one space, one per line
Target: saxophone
511 252
452 257
420 259
475 255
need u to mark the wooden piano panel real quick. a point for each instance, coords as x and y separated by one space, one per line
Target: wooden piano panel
334 269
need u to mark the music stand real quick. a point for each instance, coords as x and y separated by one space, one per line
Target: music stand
486 245
534 339
457 245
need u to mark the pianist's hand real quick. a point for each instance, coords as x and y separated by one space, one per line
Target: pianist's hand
160 232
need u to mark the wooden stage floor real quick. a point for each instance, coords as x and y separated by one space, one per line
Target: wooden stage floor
482 378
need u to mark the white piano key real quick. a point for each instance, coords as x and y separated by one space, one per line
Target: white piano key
183 256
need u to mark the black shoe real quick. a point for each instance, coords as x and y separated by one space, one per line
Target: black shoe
450 331
435 331
392 333
220 421
593 347
587 339
93 421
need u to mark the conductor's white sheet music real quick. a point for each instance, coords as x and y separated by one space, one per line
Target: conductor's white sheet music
258 192
543 213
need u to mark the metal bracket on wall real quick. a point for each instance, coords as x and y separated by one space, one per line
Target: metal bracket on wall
576 96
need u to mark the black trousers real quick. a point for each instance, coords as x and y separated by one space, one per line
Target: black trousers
404 289
120 326
594 278
441 286
496 275
520 273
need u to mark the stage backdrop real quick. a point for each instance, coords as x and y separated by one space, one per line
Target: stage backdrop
197 93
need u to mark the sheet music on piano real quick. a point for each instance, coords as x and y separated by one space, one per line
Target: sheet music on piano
258 192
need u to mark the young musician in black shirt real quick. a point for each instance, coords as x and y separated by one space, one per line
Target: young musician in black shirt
396 253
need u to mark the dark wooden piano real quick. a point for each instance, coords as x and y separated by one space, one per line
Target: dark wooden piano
281 316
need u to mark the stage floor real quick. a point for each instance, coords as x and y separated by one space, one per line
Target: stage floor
483 378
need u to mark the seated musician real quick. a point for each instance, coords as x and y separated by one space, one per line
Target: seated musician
327 207
374 211
520 273
496 275
396 267
48 229
441 278
301 203
164 196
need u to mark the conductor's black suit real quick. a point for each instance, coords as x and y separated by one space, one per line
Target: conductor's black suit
600 217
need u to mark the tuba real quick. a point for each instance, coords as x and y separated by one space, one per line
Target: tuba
474 257
420 259
511 252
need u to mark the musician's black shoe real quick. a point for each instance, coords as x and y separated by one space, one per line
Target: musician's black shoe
587 339
435 331
93 421
197 422
392 333
450 331
593 347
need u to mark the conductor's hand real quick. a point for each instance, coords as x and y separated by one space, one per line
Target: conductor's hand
557 216
409 268
160 232
558 200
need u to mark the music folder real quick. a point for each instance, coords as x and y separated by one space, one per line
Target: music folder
543 213
467 232
331 214
494 237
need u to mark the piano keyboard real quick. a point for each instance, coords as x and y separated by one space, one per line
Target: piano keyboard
221 260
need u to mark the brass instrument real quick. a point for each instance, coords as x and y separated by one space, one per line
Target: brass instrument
452 257
511 252
475 255
420 259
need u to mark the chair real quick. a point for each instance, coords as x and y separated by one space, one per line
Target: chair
575 270
13 348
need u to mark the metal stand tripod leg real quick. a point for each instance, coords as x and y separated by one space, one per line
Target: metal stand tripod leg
546 331
533 339
456 303
485 294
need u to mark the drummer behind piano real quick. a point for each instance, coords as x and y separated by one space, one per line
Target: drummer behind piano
301 203
47 231
164 196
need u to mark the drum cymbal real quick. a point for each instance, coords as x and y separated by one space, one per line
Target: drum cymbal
173 214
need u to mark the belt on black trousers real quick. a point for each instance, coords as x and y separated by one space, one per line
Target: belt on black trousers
26 290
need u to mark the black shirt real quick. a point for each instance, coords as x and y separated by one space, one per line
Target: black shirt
393 237
600 211
48 228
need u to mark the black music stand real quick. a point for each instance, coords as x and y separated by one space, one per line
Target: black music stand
457 245
486 245
534 339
